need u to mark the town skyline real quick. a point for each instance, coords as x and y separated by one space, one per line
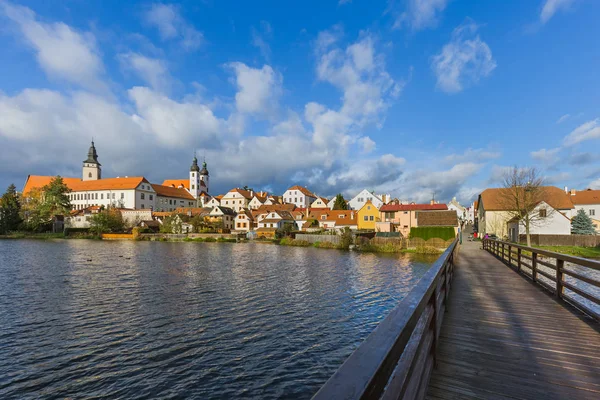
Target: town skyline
362 97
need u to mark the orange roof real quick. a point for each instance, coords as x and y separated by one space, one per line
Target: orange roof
495 199
77 185
303 190
588 196
177 183
169 191
342 217
245 193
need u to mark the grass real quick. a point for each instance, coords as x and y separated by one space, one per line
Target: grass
578 251
30 235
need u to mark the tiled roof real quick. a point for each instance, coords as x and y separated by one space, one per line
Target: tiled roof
193 211
588 196
275 207
342 217
302 190
179 182
169 191
437 218
77 185
39 181
245 193
412 207
495 199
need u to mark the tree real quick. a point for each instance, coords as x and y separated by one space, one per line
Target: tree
171 224
582 224
340 203
31 210
10 209
523 191
107 221
56 199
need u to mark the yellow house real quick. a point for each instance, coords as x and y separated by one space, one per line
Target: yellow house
368 216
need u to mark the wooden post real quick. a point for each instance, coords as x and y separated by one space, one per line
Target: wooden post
519 259
534 267
434 324
510 255
559 278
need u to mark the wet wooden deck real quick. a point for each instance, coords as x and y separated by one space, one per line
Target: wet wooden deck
503 337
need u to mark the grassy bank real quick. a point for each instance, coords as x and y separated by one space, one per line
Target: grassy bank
578 251
369 248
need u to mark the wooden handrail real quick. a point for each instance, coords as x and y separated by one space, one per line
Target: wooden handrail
396 359
496 247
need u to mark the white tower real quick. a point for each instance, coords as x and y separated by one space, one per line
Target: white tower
195 178
91 166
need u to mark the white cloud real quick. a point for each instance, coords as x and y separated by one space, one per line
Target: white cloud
259 39
563 118
547 156
551 7
258 89
61 51
172 26
595 184
587 131
360 73
421 14
368 145
464 60
472 155
152 70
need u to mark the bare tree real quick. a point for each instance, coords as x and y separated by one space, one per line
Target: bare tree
523 191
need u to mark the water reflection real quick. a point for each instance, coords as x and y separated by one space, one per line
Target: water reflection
209 320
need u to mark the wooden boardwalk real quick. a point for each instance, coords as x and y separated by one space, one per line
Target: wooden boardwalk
503 337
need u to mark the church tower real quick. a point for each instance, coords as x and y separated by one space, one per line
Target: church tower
91 166
194 178
204 175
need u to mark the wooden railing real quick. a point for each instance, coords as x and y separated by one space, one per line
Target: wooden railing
526 261
396 359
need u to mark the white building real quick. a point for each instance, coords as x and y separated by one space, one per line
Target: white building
237 199
299 196
243 221
545 220
169 198
461 212
320 202
361 199
196 184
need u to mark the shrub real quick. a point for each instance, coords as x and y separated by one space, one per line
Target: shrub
210 240
427 250
325 245
431 232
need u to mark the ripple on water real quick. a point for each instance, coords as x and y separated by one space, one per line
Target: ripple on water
193 320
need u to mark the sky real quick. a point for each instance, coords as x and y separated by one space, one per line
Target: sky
415 98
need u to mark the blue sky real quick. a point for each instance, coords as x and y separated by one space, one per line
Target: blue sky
409 97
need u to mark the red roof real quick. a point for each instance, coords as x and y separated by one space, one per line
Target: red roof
412 207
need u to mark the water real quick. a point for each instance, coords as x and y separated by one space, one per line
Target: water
89 319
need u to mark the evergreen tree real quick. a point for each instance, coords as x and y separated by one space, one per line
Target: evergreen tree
10 208
56 199
582 224
340 203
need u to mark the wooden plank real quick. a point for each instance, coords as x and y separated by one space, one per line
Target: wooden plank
504 337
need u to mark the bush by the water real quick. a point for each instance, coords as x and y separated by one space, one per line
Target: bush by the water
432 232
382 248
287 241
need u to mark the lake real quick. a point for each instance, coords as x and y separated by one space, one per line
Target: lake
86 319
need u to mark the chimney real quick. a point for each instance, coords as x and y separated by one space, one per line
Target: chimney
251 193
432 202
573 192
352 215
566 190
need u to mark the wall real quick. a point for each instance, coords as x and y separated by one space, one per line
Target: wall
335 239
117 236
563 240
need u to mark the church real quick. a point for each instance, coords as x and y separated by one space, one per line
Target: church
135 193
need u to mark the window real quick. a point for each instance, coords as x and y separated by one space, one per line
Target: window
96 196
244 224
405 212
151 197
592 212
405 226
143 196
90 175
370 218
143 206
193 175
366 218
368 207
239 225
193 187
323 217
542 213
122 195
101 196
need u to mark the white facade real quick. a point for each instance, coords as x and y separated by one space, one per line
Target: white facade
361 199
320 203
243 222
298 196
554 223
139 198
256 202
461 212
134 217
235 200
